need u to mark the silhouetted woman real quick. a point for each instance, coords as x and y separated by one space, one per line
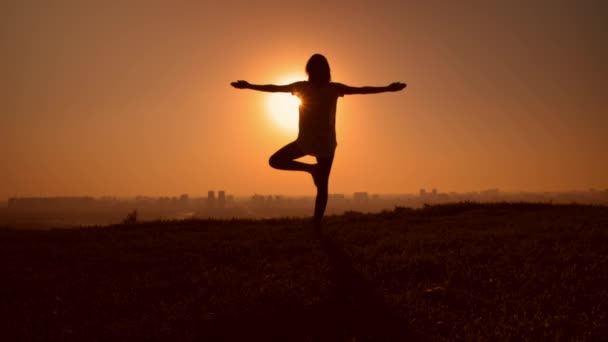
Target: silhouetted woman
317 129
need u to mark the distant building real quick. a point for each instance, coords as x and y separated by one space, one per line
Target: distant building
221 198
360 197
257 200
337 199
184 201
422 192
434 192
490 195
490 192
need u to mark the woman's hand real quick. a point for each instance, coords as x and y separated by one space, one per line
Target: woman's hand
240 84
396 86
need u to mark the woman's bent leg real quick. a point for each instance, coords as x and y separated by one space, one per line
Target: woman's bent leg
283 159
322 183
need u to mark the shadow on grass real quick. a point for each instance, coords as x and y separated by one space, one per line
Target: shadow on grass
353 311
357 305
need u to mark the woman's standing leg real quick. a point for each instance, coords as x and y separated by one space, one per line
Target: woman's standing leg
321 178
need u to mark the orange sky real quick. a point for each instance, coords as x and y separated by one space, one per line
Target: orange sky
134 97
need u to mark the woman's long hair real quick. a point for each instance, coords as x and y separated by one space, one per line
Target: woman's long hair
318 70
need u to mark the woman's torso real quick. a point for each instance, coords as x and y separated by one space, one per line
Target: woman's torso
317 120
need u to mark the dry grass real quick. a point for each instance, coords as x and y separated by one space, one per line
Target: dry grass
487 272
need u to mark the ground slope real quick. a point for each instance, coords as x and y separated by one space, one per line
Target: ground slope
450 272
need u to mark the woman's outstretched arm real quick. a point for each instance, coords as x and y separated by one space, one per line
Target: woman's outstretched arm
396 86
271 88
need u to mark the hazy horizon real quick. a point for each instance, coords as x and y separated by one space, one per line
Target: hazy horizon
119 99
347 194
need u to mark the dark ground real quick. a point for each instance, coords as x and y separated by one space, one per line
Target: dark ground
488 272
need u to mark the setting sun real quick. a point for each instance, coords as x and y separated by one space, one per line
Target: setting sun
283 111
283 108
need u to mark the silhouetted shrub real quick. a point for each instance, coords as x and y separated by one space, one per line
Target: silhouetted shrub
131 218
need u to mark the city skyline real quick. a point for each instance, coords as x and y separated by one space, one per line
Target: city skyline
238 195
66 212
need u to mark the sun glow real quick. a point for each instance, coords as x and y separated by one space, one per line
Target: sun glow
283 109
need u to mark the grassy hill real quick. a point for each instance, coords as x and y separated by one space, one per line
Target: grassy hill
494 272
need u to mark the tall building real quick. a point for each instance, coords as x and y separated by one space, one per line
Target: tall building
221 198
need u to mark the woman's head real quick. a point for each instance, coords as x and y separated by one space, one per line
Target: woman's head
317 69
